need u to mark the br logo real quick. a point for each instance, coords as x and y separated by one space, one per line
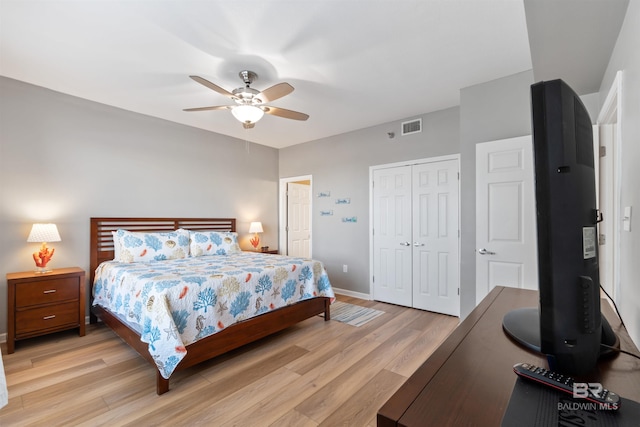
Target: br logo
583 390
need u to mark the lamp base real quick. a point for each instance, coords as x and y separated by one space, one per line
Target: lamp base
43 270
255 241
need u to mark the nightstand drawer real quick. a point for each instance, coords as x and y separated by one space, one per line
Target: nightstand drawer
46 291
49 317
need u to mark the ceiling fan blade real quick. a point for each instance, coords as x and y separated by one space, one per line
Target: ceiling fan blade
212 86
275 92
287 114
217 107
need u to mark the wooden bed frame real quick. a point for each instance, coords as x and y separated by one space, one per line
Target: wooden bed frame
237 335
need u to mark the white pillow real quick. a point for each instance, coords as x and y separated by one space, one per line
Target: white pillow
145 247
213 243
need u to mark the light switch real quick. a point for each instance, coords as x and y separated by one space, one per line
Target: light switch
626 219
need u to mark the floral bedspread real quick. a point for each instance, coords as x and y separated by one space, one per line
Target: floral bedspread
174 303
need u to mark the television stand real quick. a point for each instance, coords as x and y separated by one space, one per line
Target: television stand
469 378
523 326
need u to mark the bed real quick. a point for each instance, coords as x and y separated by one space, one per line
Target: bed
245 322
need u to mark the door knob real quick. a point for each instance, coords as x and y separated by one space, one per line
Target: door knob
483 251
416 244
405 243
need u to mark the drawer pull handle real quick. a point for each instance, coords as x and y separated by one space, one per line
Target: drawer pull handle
50 291
49 317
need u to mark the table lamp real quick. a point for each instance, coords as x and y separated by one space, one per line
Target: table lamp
255 228
43 233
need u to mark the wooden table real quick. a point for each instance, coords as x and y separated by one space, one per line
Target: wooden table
469 378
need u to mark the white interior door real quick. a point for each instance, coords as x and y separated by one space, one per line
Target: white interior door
435 237
506 236
298 220
392 250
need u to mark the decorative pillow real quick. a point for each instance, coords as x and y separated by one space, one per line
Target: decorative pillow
213 243
116 246
145 247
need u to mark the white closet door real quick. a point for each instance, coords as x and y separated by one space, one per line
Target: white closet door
392 248
435 237
415 259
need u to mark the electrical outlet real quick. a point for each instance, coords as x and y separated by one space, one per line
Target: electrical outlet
345 268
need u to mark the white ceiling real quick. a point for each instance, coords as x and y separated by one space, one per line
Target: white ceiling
353 63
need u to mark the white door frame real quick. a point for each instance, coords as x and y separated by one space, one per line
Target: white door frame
371 204
282 241
611 113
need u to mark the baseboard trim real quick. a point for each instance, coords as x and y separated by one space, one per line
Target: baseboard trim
353 294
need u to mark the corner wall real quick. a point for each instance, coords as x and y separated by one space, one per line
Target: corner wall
489 111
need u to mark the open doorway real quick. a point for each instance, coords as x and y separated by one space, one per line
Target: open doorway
295 216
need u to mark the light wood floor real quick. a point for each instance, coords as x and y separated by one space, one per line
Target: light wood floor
313 374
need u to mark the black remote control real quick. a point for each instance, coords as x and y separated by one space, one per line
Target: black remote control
592 392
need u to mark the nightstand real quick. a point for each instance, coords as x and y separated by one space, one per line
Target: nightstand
42 303
270 251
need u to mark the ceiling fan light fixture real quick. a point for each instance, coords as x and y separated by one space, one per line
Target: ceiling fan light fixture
250 107
247 114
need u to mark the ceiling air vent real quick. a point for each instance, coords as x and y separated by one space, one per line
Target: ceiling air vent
412 126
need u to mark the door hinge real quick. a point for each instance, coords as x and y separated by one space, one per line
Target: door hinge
602 239
373 279
458 291
458 176
603 151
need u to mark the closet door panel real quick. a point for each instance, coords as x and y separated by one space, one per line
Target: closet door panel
392 256
435 237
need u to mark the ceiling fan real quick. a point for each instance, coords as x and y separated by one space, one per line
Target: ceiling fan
250 103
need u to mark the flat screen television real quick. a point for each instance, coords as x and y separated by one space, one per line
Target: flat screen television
567 326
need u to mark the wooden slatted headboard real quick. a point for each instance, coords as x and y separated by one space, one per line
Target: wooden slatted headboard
101 239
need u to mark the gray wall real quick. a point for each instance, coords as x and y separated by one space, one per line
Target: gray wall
494 110
626 57
340 164
489 111
65 159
